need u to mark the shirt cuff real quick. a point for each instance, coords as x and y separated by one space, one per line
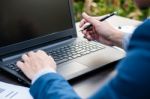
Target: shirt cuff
126 40
41 73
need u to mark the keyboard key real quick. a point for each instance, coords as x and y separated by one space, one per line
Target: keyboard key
61 61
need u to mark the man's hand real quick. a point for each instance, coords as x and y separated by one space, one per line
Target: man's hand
34 62
102 31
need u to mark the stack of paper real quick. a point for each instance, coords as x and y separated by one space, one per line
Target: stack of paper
9 91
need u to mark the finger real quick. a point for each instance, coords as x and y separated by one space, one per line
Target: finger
24 68
25 57
89 37
95 37
41 53
98 17
92 36
83 21
91 32
31 53
84 32
90 19
51 58
20 65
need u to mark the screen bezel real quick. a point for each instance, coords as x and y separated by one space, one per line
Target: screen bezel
40 40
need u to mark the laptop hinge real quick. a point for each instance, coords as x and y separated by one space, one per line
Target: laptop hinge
14 57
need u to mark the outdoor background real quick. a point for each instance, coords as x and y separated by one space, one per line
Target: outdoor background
126 8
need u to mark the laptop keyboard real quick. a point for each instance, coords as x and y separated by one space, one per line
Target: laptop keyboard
14 67
68 52
73 51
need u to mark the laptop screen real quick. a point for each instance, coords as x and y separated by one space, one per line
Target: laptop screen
22 20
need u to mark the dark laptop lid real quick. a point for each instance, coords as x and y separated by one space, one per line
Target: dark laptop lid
26 23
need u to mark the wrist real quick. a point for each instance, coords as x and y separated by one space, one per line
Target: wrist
117 38
41 73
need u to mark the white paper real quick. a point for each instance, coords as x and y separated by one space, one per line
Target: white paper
126 29
9 91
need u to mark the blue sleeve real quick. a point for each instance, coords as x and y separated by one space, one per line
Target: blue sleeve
52 86
132 80
41 73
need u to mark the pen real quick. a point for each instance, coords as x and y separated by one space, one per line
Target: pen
103 19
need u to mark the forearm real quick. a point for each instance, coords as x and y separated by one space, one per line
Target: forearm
116 37
52 86
120 38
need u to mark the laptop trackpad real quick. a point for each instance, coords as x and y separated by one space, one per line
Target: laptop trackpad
99 58
70 68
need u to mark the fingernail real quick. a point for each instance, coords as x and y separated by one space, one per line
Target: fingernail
84 14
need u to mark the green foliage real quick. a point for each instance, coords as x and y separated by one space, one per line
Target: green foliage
78 9
126 8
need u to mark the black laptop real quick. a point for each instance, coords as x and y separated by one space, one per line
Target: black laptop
48 25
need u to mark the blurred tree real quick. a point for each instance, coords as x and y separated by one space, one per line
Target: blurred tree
87 6
126 8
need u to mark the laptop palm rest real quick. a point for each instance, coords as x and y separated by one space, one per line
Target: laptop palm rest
101 58
71 69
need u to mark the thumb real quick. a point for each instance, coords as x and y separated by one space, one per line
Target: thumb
90 19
